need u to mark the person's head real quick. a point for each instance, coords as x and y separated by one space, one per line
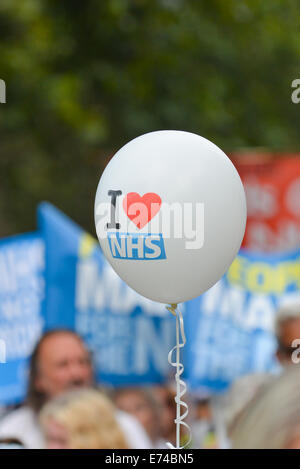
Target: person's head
59 362
81 419
287 329
140 403
272 418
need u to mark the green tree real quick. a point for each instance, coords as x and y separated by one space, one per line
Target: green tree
83 78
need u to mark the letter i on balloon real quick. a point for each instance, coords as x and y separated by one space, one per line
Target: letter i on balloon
147 201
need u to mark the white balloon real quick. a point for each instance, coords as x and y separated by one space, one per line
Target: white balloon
197 203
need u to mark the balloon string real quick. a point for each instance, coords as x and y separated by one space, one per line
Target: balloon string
180 384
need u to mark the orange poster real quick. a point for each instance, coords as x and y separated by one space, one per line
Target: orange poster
272 186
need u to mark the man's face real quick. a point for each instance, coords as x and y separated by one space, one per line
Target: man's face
63 364
289 331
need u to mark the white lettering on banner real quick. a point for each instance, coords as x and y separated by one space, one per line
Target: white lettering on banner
150 344
263 238
2 351
235 333
112 359
20 338
17 262
232 304
21 293
263 204
126 345
292 197
257 312
98 290
262 200
213 362
88 293
265 346
261 311
232 354
16 308
122 344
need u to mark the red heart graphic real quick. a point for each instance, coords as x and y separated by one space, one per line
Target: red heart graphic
140 210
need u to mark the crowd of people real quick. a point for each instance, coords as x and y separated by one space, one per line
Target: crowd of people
65 408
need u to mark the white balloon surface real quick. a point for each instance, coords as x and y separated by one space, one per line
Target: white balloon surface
170 214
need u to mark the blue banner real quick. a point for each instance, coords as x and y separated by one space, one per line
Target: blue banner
230 329
128 335
61 275
21 322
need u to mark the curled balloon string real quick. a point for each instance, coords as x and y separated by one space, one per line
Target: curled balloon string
180 384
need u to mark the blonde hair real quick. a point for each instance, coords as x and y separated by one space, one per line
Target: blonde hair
272 419
89 418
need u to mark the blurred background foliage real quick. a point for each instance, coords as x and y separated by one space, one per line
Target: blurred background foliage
84 77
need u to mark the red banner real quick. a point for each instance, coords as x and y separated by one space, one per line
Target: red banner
272 188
